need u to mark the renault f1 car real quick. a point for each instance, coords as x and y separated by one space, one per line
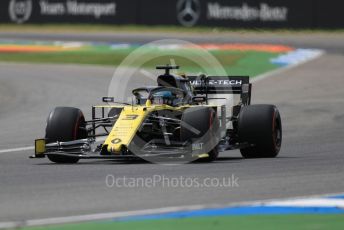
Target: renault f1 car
182 118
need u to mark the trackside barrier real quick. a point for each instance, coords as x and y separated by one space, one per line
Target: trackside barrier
189 13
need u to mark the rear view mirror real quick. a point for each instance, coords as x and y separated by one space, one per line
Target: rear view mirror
108 99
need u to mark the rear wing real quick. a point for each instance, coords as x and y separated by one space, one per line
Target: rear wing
222 85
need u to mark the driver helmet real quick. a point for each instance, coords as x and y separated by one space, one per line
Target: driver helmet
163 97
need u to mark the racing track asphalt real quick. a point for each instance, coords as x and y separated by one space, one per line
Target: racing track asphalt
310 98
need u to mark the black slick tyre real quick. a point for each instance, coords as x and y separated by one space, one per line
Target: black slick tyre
261 126
65 124
201 124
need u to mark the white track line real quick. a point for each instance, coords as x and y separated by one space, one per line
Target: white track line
95 217
115 215
17 149
311 202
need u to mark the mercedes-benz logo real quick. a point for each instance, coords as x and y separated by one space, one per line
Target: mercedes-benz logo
188 12
20 10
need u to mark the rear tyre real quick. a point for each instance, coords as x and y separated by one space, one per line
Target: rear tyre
260 125
203 121
65 124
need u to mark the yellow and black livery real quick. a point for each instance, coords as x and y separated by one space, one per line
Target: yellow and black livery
179 119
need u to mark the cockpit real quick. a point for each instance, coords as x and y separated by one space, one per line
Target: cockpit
159 95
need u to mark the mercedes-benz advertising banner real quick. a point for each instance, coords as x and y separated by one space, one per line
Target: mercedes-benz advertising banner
249 13
188 13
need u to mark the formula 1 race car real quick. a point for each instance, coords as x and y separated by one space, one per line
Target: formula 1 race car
182 118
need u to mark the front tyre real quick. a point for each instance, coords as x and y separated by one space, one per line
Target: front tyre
201 124
65 124
261 126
